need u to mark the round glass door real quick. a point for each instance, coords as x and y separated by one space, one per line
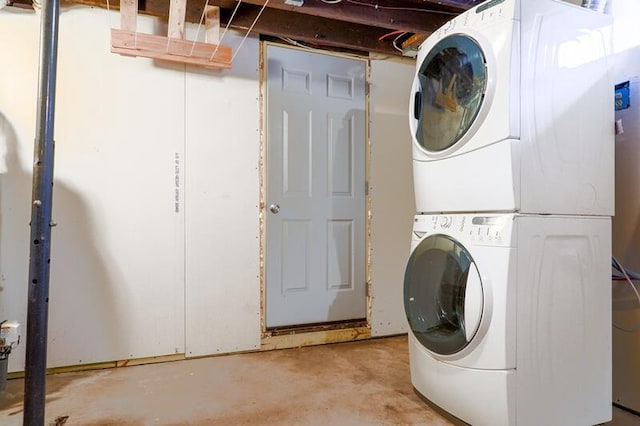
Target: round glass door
452 81
443 296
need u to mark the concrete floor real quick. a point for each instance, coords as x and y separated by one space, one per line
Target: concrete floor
362 383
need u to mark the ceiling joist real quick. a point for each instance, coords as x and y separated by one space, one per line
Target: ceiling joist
315 31
395 15
355 25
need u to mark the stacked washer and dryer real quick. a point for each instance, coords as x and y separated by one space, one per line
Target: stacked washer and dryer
507 289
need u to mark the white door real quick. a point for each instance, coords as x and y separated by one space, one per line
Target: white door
315 188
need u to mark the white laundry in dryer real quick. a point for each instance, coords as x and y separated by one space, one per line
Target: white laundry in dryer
510 317
512 110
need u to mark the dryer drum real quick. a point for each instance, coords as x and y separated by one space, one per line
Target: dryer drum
452 81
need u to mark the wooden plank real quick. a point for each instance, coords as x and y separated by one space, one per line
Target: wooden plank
107 364
390 14
150 360
316 32
177 11
406 17
314 338
69 369
414 41
128 15
172 50
411 45
354 27
212 24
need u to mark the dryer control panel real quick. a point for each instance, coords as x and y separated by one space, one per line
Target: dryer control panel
488 13
478 229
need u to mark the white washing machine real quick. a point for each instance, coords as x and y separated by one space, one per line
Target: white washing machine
510 317
512 110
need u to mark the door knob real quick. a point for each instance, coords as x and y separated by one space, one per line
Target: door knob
274 208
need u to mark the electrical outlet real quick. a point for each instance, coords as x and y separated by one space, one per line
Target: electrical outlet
622 96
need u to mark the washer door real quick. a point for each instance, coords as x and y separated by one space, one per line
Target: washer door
449 92
443 296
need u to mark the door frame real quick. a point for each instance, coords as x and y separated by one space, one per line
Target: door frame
321 334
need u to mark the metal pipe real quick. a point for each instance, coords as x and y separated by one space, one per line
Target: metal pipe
41 208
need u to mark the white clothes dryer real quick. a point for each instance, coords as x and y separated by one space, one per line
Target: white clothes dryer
512 110
510 317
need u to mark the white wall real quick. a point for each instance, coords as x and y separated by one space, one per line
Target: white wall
117 288
626 223
625 28
133 274
222 190
626 67
391 189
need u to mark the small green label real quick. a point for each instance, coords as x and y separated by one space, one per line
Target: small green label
487 5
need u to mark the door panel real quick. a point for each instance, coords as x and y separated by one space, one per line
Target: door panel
296 254
340 255
340 165
315 183
296 161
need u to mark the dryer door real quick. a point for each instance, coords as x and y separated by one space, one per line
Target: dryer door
443 296
448 92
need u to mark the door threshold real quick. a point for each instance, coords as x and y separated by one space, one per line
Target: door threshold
309 328
315 334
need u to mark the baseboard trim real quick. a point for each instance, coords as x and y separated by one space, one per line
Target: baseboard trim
105 365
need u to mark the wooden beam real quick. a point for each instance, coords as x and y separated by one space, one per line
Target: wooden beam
451 5
177 10
212 24
392 14
345 25
170 49
128 15
318 32
398 16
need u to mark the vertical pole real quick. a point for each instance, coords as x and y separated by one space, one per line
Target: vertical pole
41 207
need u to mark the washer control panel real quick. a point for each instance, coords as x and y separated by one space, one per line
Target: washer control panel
480 229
